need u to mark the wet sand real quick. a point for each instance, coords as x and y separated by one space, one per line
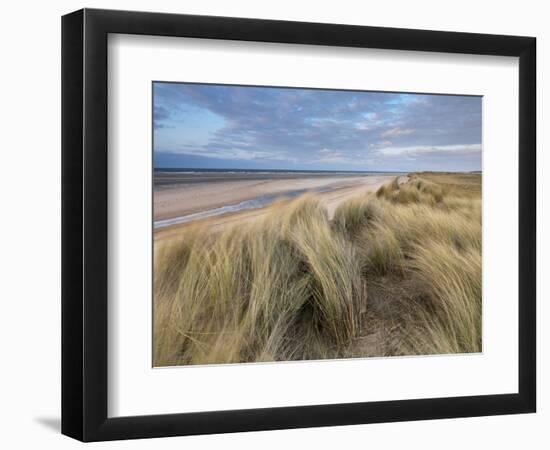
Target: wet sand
184 199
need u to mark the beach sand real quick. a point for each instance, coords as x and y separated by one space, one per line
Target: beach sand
176 201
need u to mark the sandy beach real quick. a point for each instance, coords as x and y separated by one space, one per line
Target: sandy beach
194 197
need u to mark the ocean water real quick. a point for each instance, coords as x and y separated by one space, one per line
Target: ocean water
188 171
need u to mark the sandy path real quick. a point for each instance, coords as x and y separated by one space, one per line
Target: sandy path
349 188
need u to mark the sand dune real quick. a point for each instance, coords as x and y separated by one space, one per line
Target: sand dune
397 273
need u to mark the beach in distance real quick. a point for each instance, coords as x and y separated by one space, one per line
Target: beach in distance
224 196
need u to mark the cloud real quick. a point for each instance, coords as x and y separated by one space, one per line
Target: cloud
430 150
160 114
393 132
327 155
233 153
381 144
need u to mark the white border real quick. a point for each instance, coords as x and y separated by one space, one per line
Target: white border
135 388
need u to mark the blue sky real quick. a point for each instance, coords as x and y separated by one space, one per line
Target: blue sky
218 126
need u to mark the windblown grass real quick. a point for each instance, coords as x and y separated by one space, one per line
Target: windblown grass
285 288
295 284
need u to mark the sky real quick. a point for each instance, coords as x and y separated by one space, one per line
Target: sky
244 127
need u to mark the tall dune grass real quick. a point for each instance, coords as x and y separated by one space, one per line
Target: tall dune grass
295 284
284 288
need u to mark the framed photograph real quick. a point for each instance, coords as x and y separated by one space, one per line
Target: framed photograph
273 224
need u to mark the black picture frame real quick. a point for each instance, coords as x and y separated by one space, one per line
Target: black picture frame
84 224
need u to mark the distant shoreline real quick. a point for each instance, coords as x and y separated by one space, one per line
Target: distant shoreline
181 177
229 169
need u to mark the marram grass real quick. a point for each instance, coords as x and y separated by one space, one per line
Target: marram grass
393 273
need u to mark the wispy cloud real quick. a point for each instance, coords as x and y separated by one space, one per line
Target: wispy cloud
397 131
440 150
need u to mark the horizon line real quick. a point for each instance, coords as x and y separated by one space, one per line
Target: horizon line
314 170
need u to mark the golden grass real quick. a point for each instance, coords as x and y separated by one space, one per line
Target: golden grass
295 284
